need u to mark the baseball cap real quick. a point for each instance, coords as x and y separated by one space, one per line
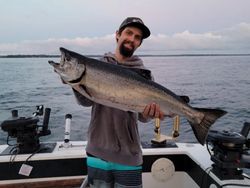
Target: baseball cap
136 22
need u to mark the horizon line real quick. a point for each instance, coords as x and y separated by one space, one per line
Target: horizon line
141 55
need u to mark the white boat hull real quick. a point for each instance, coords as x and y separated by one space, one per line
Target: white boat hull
191 167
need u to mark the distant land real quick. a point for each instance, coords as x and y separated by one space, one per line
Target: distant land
27 56
38 56
142 55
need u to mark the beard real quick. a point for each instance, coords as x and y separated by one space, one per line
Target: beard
126 52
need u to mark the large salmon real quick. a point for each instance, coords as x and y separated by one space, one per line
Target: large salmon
119 87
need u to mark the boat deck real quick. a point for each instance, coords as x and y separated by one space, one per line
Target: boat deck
66 167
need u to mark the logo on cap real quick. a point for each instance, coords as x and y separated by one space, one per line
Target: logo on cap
137 20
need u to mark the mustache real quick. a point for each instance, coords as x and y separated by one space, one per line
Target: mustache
129 42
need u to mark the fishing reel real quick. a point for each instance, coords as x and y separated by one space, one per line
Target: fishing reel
230 152
26 130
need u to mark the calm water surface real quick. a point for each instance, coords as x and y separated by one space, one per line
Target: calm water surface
209 81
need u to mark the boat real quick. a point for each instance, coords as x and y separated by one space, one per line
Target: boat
167 163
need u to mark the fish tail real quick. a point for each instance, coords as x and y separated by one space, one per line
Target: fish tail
201 129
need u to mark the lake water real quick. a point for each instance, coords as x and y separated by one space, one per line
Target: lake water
209 81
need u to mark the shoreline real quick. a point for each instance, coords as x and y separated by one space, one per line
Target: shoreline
141 55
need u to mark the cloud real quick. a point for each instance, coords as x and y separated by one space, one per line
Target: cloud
229 40
93 45
185 41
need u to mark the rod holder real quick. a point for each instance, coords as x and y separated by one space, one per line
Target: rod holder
159 139
68 118
176 126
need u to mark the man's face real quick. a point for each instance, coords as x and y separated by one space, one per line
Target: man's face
129 40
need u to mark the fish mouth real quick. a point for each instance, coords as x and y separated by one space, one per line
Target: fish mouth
68 68
63 58
59 67
55 65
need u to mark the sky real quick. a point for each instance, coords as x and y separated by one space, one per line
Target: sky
88 26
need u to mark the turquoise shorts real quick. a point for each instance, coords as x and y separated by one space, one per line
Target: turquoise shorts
106 165
107 174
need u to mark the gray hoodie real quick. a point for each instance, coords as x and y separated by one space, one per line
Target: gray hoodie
113 133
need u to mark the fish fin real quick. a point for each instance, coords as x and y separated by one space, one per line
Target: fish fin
82 90
142 72
81 99
210 116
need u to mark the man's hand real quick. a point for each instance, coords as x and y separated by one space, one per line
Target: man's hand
152 111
